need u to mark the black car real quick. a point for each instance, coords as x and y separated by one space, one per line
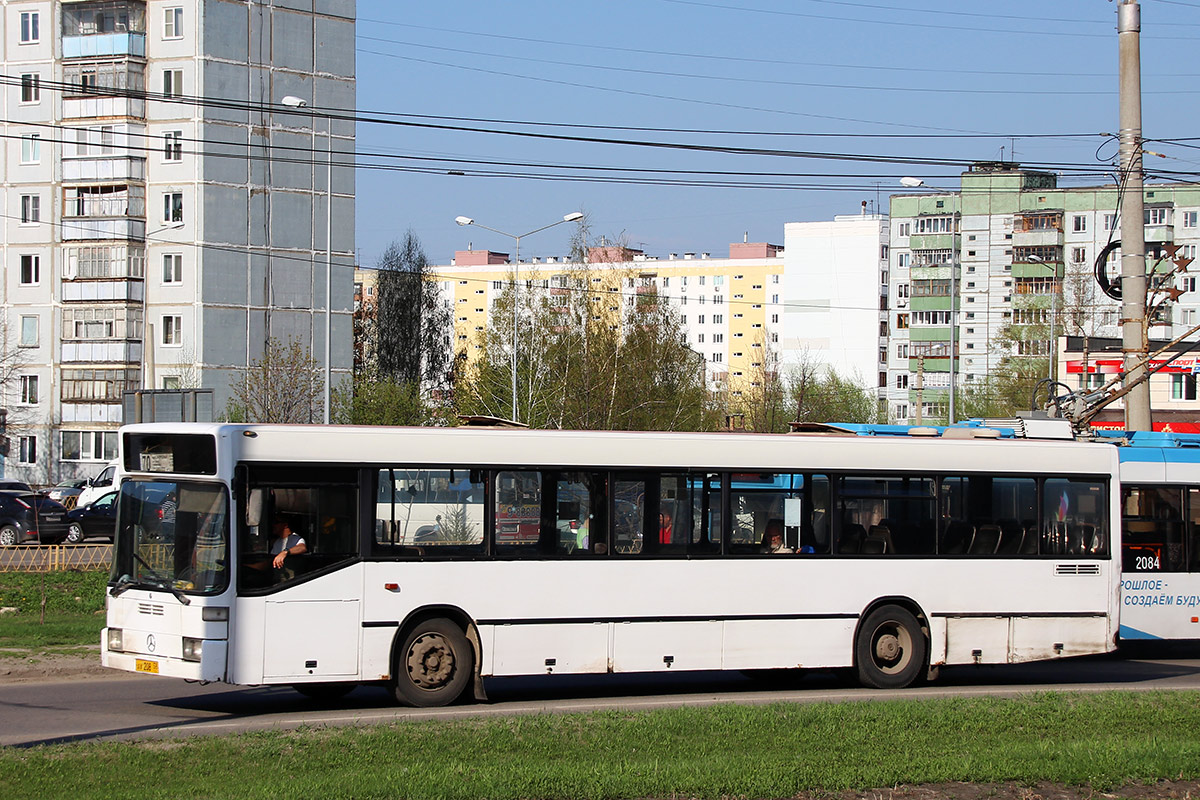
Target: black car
15 486
29 517
98 518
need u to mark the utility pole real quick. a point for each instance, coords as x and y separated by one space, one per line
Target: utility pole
1133 234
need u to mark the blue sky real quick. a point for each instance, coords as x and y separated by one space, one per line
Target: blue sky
936 79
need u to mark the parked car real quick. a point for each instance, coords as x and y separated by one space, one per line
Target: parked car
66 490
101 484
15 486
97 518
30 517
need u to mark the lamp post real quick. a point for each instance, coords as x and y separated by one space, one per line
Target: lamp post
574 216
297 102
917 183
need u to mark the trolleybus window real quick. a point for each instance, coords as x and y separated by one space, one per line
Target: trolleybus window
1152 518
1073 518
989 515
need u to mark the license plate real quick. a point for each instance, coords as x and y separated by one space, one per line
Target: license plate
142 665
52 518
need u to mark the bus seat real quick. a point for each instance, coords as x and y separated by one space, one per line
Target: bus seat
985 541
874 545
1012 537
1029 540
851 538
883 533
958 535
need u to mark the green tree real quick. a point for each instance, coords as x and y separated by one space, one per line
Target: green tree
372 400
819 394
592 353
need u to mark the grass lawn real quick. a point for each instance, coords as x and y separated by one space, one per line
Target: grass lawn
1100 741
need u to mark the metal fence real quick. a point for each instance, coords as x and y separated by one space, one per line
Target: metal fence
55 557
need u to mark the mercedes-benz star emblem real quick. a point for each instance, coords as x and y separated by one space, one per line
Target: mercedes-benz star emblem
150 643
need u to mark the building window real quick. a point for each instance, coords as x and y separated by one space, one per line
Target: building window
173 146
172 330
775 298
173 207
700 338
718 338
1155 216
31 209
1183 387
173 23
28 453
31 270
1189 219
172 268
29 390
901 321
30 27
29 331
716 358
902 380
89 445
31 88
31 148
172 83
904 229
1079 223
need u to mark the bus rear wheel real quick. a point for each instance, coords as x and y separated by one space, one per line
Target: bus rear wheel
891 650
434 665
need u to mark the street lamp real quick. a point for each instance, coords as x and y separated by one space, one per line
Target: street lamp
917 183
291 101
574 216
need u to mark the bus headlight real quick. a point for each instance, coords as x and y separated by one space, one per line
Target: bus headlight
192 648
116 640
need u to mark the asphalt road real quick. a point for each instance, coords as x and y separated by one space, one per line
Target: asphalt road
131 707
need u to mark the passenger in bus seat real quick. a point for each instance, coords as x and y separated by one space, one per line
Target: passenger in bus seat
665 526
773 538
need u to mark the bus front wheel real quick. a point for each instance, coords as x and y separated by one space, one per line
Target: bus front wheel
890 650
434 665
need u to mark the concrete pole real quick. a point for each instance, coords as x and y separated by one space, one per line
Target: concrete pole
1133 234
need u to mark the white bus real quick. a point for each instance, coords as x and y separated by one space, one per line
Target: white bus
601 552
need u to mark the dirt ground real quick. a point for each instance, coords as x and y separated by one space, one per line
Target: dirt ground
81 665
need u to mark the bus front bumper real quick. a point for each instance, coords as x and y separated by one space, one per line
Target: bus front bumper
210 668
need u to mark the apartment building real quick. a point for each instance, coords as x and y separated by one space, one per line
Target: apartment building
836 279
1004 266
731 307
165 205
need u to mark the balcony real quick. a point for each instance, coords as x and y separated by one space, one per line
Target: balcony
84 228
104 28
935 241
119 168
102 351
1037 238
91 291
97 106
103 45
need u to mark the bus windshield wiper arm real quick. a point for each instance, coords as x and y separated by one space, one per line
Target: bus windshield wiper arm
183 598
124 584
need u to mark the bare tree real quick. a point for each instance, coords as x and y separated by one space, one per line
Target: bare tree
285 385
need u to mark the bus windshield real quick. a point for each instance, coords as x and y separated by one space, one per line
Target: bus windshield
172 535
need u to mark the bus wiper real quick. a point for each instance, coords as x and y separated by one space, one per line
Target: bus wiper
124 584
163 582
